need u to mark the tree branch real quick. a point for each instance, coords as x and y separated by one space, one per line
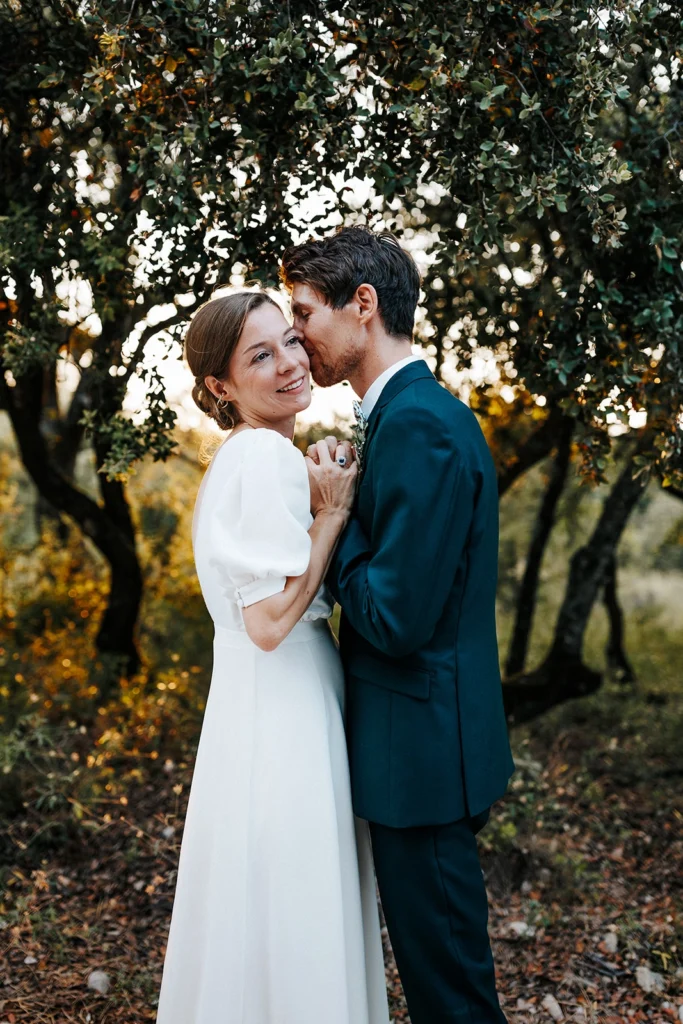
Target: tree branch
536 447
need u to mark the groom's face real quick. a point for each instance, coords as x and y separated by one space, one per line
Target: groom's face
331 337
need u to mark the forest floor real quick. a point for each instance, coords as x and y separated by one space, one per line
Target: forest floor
583 860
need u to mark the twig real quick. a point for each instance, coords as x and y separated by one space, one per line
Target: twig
559 141
135 828
150 332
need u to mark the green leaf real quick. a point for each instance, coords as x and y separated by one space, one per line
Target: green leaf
54 78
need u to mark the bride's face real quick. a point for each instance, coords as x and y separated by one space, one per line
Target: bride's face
268 378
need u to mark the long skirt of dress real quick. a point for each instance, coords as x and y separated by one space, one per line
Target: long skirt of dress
275 918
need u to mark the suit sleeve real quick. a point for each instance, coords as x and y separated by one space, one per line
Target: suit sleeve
393 585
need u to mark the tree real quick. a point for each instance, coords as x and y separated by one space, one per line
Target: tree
536 148
584 314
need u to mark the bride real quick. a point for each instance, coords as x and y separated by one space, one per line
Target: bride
275 919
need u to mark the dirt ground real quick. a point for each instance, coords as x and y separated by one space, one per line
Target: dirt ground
583 866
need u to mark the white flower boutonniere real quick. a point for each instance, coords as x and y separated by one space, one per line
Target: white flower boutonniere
359 429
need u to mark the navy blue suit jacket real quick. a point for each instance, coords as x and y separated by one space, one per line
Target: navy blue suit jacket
415 572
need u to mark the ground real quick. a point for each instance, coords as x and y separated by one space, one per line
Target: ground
583 860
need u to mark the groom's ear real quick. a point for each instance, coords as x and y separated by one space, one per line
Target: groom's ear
366 303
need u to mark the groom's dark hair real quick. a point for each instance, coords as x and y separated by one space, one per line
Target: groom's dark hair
336 266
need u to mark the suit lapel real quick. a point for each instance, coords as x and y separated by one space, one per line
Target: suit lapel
393 387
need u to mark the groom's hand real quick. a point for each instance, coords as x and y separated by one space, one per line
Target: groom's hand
312 450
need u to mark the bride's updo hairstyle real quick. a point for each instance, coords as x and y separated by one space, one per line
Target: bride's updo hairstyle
210 342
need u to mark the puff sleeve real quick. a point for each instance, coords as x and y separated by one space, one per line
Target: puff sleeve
260 522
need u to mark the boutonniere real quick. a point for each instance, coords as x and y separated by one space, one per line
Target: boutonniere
358 433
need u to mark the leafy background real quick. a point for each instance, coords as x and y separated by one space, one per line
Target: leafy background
531 157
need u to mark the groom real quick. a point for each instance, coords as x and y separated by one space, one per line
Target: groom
415 573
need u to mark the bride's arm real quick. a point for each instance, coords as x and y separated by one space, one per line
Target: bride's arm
269 621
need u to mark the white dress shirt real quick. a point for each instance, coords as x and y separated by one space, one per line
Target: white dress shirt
377 386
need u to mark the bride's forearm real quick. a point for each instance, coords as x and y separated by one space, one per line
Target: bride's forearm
269 621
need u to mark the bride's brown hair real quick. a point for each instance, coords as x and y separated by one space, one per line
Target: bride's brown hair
210 342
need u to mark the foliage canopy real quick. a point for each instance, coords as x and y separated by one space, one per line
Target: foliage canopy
148 149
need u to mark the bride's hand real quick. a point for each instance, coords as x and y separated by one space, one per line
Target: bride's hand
332 485
335 448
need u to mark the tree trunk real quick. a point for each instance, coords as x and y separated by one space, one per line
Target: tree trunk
50 419
563 675
536 447
63 436
555 681
589 564
617 659
117 629
526 603
109 528
71 430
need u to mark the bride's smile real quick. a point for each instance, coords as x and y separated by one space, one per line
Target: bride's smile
296 385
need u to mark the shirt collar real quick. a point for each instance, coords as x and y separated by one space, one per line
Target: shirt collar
375 390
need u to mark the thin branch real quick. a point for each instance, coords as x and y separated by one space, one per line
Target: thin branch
149 332
542 116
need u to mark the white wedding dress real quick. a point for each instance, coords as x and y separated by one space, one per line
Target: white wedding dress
275 919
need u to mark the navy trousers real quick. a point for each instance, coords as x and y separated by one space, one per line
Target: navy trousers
435 906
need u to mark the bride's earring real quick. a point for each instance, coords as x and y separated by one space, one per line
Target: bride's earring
227 415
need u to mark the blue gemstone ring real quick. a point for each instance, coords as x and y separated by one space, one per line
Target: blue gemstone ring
341 461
